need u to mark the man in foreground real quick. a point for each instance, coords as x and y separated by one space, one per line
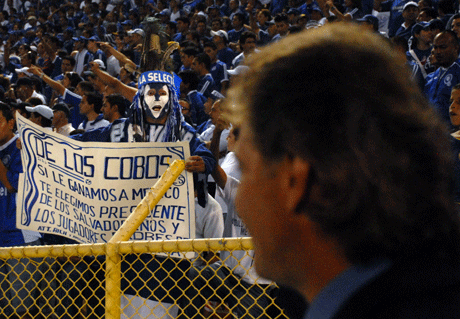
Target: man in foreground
346 187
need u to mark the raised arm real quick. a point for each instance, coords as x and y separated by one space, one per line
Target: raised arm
123 59
55 85
48 49
218 173
253 26
127 91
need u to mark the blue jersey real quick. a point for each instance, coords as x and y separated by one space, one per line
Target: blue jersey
197 100
277 6
438 86
56 67
264 38
234 36
404 32
80 62
121 131
226 55
178 37
206 85
422 55
92 125
73 100
219 74
396 8
11 157
203 126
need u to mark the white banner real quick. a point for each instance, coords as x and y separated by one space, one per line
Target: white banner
85 190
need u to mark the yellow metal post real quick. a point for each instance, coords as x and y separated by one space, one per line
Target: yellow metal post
135 219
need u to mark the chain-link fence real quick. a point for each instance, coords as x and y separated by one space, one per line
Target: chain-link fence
134 280
201 278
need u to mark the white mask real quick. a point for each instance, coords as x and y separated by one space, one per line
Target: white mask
156 100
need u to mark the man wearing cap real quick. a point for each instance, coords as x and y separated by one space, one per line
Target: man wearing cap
127 25
41 115
224 53
61 116
165 16
93 48
395 7
31 22
420 50
136 37
82 56
369 21
307 7
25 90
409 14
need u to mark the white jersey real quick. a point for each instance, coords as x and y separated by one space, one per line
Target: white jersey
209 222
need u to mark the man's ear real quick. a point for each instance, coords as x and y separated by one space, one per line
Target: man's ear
297 182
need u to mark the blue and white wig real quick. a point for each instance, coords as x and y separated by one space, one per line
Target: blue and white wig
173 123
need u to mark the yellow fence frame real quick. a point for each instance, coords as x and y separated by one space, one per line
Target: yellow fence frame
125 247
120 245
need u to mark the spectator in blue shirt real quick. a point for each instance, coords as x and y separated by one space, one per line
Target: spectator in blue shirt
201 65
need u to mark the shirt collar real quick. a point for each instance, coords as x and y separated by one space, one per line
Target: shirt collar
331 298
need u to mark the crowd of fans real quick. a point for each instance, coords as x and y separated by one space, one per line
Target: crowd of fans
52 45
